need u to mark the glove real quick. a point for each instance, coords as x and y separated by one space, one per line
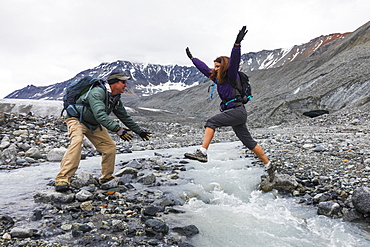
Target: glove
241 35
124 134
145 135
188 53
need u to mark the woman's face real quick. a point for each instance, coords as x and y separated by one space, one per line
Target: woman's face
217 66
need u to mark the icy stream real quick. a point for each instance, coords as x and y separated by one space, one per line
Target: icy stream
224 203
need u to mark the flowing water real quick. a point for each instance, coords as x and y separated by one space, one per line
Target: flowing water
224 203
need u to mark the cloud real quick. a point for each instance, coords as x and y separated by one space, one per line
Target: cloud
44 42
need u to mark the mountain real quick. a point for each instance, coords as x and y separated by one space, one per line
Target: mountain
331 77
149 79
328 73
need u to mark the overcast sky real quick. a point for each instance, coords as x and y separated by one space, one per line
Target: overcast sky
45 42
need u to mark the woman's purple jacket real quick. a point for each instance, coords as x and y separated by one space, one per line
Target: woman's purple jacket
225 90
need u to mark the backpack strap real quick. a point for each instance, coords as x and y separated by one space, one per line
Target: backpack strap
213 86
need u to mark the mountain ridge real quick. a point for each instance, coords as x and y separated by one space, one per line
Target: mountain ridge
148 79
333 77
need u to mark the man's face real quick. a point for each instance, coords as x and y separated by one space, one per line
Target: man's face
118 87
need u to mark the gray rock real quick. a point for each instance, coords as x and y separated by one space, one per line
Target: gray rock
82 179
5 142
87 206
148 179
157 225
109 185
134 164
21 162
127 170
21 232
282 182
352 215
328 208
34 153
56 154
187 231
118 225
84 195
10 154
361 199
20 132
49 196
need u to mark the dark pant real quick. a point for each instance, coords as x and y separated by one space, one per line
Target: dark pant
236 118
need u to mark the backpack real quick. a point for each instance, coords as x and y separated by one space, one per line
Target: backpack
75 90
244 89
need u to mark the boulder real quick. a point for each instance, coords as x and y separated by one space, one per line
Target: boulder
187 231
328 208
56 154
21 232
49 196
281 182
361 199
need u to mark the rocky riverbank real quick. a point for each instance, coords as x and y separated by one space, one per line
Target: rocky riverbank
323 161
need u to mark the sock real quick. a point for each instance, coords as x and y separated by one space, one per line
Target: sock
204 151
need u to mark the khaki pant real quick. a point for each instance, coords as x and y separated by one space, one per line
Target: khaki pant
100 139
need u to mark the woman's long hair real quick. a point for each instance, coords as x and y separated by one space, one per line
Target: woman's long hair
222 72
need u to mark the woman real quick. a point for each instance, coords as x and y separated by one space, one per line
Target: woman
233 113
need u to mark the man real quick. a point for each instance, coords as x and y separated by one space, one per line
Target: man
95 109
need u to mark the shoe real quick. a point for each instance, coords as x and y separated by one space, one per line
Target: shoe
270 168
198 155
105 180
61 186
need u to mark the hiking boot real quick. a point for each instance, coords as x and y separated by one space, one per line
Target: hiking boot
270 168
105 180
61 186
198 155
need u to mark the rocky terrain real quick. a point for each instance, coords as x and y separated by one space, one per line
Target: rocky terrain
324 161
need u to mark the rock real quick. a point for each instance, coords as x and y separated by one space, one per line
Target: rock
281 182
6 222
148 179
157 226
10 153
82 179
127 170
134 164
21 162
5 142
109 185
53 196
151 210
87 206
328 208
361 199
319 148
353 215
118 225
84 195
20 132
56 154
187 231
34 153
20 232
